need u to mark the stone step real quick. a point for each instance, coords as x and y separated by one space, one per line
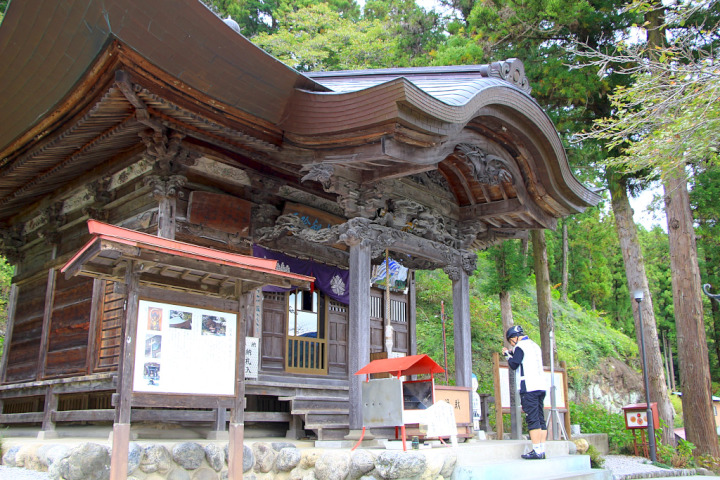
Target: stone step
566 467
323 419
308 404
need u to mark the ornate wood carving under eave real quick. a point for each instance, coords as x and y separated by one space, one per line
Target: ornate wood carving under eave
356 200
377 236
493 170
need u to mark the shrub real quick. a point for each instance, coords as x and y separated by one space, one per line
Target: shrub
596 460
595 419
709 462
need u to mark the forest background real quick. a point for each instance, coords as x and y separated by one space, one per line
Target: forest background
562 44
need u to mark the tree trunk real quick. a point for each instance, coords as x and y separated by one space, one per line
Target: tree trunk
506 311
687 302
565 250
637 280
544 299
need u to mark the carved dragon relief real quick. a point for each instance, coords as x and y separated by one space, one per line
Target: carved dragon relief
356 200
487 169
415 251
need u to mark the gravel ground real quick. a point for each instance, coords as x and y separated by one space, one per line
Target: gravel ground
12 473
627 467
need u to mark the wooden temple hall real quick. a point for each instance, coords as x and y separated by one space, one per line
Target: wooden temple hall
197 229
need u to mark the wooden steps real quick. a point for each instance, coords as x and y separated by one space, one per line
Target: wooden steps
328 416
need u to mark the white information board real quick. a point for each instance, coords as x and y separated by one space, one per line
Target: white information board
559 388
252 357
184 350
440 419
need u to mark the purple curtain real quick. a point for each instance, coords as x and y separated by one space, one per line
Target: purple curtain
332 281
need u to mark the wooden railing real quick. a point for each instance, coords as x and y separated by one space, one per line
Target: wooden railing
306 355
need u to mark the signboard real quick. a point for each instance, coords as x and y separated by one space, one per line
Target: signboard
441 420
184 350
252 357
560 400
459 399
221 212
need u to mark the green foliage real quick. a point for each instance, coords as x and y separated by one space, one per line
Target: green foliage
583 338
6 273
596 459
508 273
318 38
595 419
709 462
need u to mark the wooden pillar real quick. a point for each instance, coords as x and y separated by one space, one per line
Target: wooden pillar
121 427
461 326
47 317
165 191
412 317
237 412
499 427
48 425
12 303
359 334
98 295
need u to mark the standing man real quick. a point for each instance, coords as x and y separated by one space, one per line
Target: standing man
527 355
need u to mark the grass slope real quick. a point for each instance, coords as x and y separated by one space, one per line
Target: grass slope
583 337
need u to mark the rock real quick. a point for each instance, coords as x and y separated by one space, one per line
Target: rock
135 456
582 445
277 446
27 457
44 450
204 473
156 459
332 466
88 461
264 457
189 455
287 459
361 462
178 474
448 466
393 465
572 449
248 458
308 458
215 457
9 456
434 464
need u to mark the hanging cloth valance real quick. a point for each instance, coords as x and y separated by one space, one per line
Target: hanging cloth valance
332 281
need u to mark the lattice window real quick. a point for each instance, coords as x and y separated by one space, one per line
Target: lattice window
337 307
398 311
376 307
274 296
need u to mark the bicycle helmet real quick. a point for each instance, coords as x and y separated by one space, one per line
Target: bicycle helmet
514 331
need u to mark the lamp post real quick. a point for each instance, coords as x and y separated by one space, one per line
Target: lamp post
638 295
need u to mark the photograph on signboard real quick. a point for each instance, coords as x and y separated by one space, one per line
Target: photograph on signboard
154 319
151 374
197 346
213 325
153 345
180 319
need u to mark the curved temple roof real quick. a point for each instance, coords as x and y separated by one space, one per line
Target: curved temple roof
82 79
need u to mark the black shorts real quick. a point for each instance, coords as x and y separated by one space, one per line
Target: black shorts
532 404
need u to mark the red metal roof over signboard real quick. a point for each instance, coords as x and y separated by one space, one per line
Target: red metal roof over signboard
151 242
410 365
